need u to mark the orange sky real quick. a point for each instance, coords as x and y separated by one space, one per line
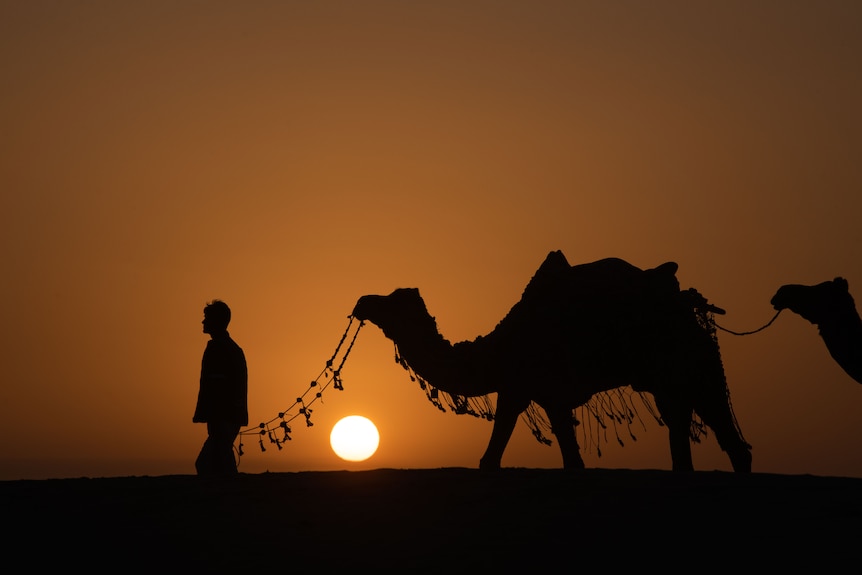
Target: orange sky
289 157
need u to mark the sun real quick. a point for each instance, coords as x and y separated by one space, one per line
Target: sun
354 438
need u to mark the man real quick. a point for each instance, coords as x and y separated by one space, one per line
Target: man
223 394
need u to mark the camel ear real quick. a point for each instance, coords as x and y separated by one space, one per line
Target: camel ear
841 283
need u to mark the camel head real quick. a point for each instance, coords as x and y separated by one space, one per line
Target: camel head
380 307
403 309
816 303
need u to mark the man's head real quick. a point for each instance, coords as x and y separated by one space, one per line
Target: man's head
216 317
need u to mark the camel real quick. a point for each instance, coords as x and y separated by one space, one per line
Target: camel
830 307
576 332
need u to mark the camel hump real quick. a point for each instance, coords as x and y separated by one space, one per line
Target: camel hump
553 269
555 262
611 269
619 272
555 279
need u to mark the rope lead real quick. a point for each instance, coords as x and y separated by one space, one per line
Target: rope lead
750 332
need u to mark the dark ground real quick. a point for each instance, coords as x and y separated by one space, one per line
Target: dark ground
435 520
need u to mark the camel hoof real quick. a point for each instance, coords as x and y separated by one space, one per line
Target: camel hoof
741 461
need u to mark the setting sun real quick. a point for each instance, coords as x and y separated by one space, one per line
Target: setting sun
354 438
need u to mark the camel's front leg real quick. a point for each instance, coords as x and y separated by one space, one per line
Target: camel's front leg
508 410
563 427
677 417
680 446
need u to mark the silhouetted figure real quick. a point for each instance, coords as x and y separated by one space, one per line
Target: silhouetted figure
577 331
830 307
223 394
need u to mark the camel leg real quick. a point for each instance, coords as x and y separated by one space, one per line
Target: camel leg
737 450
680 446
563 427
729 439
509 408
677 417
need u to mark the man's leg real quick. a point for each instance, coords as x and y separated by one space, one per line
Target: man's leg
222 436
204 462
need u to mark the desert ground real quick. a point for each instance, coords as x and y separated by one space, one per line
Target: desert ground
435 520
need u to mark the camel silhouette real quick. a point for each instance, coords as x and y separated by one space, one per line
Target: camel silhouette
830 307
578 331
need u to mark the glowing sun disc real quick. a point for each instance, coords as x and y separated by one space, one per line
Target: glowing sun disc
354 438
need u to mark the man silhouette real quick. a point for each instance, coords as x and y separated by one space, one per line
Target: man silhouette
223 394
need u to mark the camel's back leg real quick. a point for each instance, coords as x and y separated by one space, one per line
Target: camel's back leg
563 427
509 407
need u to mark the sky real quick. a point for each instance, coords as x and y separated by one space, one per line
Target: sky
288 157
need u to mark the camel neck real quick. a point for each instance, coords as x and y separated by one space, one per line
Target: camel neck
452 369
843 339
